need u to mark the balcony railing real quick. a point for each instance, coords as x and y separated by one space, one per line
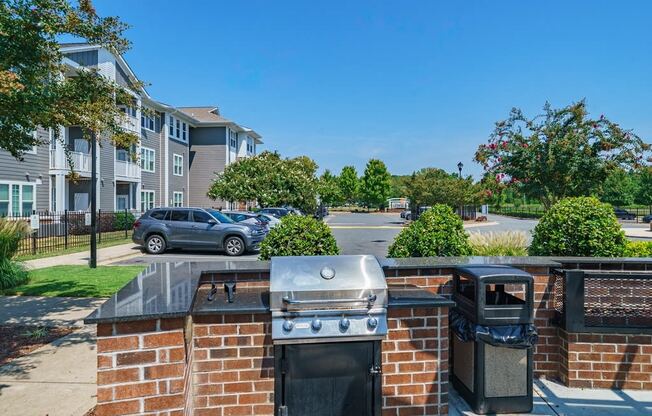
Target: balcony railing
129 123
81 161
126 170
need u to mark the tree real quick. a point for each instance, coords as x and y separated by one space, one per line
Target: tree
269 179
399 184
349 184
644 194
431 186
33 90
329 190
560 153
620 188
375 184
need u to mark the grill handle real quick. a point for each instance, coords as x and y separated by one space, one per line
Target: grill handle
369 300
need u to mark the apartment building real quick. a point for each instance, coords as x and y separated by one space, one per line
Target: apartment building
179 152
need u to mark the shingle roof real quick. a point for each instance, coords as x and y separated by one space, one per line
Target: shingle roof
204 114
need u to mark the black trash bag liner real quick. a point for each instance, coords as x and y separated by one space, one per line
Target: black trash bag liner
510 336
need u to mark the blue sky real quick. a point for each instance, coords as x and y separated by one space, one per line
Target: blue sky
414 83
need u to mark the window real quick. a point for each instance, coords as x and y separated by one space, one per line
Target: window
201 216
179 215
177 129
233 138
147 159
177 165
122 155
159 214
148 121
16 199
146 200
177 199
250 145
129 110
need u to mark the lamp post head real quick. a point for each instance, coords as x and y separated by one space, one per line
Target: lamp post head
460 165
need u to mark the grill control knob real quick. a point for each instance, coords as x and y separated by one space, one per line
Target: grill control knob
372 322
316 324
287 326
345 324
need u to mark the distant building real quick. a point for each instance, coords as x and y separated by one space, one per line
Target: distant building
180 150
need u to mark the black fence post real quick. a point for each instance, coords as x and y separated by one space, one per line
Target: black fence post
99 226
65 232
126 224
34 235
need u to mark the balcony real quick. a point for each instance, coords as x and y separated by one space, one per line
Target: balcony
81 162
130 124
127 171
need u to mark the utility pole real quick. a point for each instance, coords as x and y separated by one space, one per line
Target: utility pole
92 261
460 165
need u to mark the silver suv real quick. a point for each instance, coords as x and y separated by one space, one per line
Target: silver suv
195 228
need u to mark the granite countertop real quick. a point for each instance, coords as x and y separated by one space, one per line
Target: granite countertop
412 296
245 300
443 262
164 290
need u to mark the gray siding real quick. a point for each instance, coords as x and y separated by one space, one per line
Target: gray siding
86 58
107 176
153 181
33 168
207 156
178 183
121 77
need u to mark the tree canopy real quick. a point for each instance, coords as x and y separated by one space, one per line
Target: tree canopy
558 154
33 90
376 183
349 184
270 180
430 186
620 188
329 189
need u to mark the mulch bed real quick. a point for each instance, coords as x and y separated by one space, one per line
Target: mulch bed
18 340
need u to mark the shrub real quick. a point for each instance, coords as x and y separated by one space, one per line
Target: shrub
12 274
580 226
11 232
509 243
123 220
298 235
437 232
638 249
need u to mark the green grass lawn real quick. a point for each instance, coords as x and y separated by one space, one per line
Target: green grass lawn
70 250
76 281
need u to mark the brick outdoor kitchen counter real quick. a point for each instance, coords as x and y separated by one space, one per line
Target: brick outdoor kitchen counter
164 348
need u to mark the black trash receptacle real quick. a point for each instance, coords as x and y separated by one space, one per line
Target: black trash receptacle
493 338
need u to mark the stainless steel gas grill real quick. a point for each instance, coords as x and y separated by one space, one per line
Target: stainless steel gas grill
329 315
322 298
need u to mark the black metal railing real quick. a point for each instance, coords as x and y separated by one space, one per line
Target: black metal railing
58 231
592 301
626 214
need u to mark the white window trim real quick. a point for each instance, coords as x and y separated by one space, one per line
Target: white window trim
176 156
142 164
10 211
142 201
153 119
174 199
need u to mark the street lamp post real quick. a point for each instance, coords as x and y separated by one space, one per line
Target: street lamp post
92 261
460 165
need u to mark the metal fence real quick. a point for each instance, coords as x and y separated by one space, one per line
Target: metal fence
626 214
57 231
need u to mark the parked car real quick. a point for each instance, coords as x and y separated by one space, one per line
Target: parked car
405 213
321 212
647 218
623 214
272 221
160 229
246 217
276 212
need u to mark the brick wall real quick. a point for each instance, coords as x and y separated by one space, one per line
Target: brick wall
140 368
606 361
415 362
233 365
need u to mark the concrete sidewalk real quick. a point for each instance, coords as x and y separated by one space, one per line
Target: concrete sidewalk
104 256
58 378
638 232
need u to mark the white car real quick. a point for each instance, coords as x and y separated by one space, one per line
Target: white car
271 220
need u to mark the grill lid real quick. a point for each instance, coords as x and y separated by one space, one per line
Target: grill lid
348 281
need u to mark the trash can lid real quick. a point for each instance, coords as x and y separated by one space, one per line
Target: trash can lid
493 272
